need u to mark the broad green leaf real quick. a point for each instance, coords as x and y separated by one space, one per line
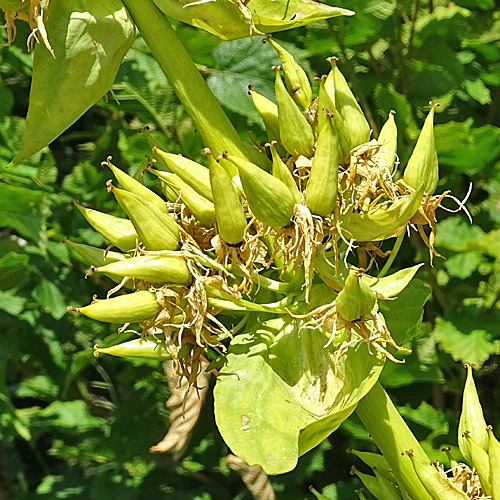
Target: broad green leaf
13 270
382 223
89 40
68 414
392 285
11 304
39 386
229 20
49 296
462 265
478 91
426 416
455 234
282 371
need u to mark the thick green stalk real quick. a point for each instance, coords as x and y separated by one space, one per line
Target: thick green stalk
214 126
392 436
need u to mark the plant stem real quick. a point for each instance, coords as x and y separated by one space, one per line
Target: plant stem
392 436
393 255
214 126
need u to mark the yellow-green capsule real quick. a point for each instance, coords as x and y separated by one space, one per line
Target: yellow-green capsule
282 172
321 189
147 348
133 186
269 113
296 134
268 197
156 230
202 208
471 419
158 269
375 461
325 101
94 256
130 308
423 164
295 77
356 299
438 487
380 488
192 173
389 137
494 458
481 463
119 232
231 220
355 122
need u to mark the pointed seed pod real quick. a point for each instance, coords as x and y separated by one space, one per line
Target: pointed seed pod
494 458
325 101
148 348
318 495
231 220
356 299
119 232
346 104
389 137
481 463
321 189
423 163
269 113
295 77
192 173
133 186
360 494
158 269
453 462
375 461
371 483
156 230
282 172
438 487
296 134
390 492
130 308
202 208
94 256
268 197
471 419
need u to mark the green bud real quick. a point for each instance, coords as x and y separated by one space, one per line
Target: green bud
231 220
423 163
147 348
269 113
94 256
158 269
355 122
321 190
471 419
130 308
494 458
198 205
389 137
295 77
438 487
282 172
192 173
133 186
356 299
119 232
296 134
156 230
481 463
268 197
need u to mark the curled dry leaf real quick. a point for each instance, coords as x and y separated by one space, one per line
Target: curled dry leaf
254 477
185 403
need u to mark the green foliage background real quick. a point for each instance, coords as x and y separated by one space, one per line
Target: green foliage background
76 427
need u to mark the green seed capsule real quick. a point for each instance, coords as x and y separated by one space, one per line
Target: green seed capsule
133 186
494 458
389 137
119 232
321 190
356 299
481 463
375 461
374 486
282 172
231 220
325 101
423 163
269 198
296 134
198 205
438 487
269 113
129 308
158 269
471 419
94 256
346 104
295 77
148 348
156 230
192 173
